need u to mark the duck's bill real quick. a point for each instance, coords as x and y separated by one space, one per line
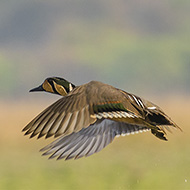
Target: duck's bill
39 88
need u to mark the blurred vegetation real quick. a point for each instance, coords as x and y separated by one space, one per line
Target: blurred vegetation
132 162
138 46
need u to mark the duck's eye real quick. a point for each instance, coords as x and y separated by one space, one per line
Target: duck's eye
47 86
60 89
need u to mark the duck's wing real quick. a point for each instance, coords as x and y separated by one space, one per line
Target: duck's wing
80 108
90 140
69 114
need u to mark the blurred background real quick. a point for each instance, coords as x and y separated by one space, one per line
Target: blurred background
140 46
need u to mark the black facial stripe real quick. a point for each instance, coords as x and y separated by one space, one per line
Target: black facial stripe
73 85
53 87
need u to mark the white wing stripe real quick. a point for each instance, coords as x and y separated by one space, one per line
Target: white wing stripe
113 114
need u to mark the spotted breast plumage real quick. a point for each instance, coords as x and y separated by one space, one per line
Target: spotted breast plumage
88 117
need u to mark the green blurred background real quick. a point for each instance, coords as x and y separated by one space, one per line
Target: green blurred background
140 46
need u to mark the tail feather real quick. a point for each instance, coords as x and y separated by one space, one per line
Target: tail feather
159 134
156 117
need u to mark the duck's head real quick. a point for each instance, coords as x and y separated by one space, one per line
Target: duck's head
55 85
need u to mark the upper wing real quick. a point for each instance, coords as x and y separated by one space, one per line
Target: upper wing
69 114
89 140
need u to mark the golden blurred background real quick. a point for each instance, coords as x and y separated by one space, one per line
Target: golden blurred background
140 46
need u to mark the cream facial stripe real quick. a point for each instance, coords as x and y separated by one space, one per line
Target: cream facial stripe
47 86
70 87
60 89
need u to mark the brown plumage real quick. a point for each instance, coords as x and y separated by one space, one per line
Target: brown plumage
89 116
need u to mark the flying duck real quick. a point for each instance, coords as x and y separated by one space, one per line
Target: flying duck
88 117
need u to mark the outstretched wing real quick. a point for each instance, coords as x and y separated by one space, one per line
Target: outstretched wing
89 140
69 114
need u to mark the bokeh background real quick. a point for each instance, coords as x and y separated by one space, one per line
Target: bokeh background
140 46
